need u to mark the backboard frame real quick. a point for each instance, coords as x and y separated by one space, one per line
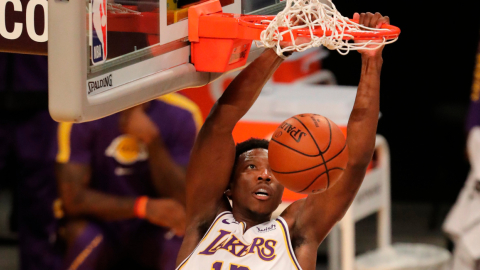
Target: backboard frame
169 69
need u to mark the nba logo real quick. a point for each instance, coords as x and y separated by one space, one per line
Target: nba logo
98 31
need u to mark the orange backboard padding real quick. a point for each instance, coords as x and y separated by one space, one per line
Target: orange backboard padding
194 14
229 54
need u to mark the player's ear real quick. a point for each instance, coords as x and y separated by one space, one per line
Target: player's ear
228 193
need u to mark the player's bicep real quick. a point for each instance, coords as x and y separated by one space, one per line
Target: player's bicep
320 212
209 170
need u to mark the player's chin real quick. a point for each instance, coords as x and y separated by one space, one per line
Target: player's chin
263 207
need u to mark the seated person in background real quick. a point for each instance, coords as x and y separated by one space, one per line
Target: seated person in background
121 180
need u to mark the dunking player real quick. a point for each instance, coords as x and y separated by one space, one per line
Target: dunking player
243 236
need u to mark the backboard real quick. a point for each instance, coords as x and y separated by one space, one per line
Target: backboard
106 56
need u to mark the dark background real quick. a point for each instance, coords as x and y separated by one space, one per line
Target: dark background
426 82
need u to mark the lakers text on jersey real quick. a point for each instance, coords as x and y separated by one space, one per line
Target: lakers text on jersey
227 245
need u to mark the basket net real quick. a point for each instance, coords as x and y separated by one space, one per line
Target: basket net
311 15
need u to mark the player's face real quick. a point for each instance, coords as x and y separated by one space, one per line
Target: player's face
254 187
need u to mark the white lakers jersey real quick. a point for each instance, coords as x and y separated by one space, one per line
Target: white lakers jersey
228 246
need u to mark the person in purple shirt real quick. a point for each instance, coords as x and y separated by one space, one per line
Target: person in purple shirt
27 157
462 222
121 181
473 116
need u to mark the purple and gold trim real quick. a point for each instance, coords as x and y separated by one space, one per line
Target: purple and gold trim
286 236
205 236
86 252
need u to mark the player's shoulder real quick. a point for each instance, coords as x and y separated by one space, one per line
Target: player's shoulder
178 107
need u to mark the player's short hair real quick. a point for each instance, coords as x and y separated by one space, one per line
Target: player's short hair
252 143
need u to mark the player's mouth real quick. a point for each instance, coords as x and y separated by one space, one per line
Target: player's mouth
262 194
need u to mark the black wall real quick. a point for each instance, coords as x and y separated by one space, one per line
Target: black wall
426 82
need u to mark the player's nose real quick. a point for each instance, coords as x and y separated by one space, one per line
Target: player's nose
265 175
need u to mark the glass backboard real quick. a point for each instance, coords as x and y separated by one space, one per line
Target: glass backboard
106 56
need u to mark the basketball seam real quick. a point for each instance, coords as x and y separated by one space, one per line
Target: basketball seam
319 150
330 141
336 155
314 180
295 149
318 147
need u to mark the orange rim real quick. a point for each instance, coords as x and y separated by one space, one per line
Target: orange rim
260 22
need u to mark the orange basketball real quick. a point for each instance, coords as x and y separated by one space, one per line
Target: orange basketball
308 153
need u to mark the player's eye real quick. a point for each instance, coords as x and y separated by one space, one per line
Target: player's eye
251 166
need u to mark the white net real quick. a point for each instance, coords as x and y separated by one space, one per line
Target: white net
312 14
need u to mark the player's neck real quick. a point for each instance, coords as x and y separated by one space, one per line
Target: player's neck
249 217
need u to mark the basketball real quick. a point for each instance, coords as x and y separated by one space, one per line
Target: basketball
308 153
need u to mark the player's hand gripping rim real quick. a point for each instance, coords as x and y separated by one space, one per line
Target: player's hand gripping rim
373 21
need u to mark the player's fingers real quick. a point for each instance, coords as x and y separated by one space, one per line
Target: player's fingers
375 20
387 19
362 18
368 19
382 21
356 16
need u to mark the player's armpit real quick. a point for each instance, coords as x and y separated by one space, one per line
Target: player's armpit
320 212
312 218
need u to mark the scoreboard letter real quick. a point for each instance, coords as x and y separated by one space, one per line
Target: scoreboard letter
17 29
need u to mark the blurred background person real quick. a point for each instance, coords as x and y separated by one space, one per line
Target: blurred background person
463 221
121 181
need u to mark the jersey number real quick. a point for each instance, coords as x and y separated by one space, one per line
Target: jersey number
218 266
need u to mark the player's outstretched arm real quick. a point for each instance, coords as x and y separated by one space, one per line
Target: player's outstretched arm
213 154
312 219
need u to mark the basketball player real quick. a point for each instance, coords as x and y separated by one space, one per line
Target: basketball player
243 236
